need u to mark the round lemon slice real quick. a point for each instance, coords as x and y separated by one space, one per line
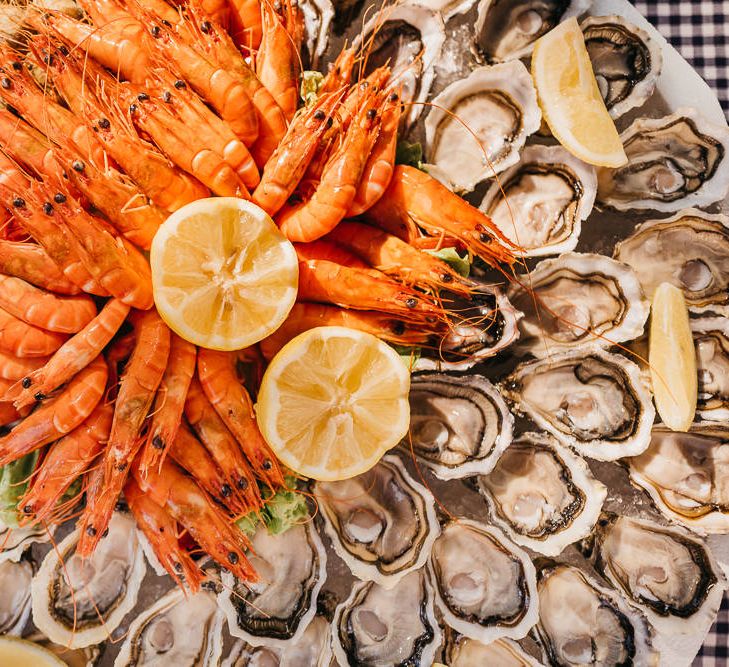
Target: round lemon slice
570 98
22 653
224 276
333 401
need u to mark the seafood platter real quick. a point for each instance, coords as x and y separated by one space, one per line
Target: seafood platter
341 333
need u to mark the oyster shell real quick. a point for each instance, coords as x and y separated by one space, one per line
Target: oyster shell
669 573
409 40
584 623
462 651
542 495
689 250
79 602
541 203
711 338
178 629
578 300
477 126
378 626
459 425
278 607
626 61
673 162
446 8
15 581
14 540
318 15
687 476
381 523
507 29
596 403
485 586
73 657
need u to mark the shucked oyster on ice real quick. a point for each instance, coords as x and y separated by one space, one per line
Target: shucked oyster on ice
15 581
79 602
409 40
382 523
178 629
711 339
596 403
462 651
674 162
277 608
584 623
477 126
485 587
668 572
578 300
542 495
626 61
459 425
689 250
540 203
687 476
507 29
377 626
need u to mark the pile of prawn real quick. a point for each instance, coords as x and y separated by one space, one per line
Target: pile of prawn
107 125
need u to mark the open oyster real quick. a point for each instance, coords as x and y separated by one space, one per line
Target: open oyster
578 300
584 623
382 523
459 425
540 203
542 495
409 40
79 602
711 338
15 581
377 626
277 608
463 651
178 629
477 126
626 61
14 540
485 586
311 649
673 162
666 571
596 403
507 29
687 476
689 250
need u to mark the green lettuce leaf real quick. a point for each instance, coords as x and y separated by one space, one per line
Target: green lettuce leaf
449 255
14 481
409 154
311 81
409 355
281 510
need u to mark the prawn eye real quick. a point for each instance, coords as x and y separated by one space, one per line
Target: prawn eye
48 208
206 26
157 442
233 558
91 531
319 114
178 567
26 383
39 396
155 31
59 198
166 96
180 84
78 165
242 484
225 490
411 302
371 114
18 202
142 97
104 123
6 83
398 328
63 50
16 65
267 465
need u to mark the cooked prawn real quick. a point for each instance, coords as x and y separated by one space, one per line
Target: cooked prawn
25 340
16 368
31 263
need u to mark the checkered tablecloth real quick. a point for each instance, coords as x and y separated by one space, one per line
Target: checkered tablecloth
699 29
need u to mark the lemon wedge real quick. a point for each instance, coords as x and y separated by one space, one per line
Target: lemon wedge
333 401
22 653
224 276
672 359
570 98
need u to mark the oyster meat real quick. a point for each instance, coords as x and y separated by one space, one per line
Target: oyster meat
382 523
485 587
689 250
378 626
409 40
687 476
79 602
15 581
584 623
277 608
462 651
541 203
596 403
459 425
542 495
673 162
178 629
626 61
578 300
477 126
507 29
666 571
711 339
